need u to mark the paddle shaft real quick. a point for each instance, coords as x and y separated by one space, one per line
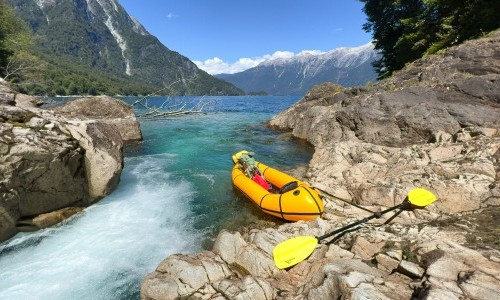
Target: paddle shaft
378 214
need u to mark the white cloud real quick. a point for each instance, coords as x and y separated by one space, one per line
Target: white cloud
213 66
218 66
171 16
278 55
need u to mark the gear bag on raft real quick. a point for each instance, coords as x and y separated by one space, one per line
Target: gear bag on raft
250 168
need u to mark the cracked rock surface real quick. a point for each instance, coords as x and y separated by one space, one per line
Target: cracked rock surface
50 162
433 125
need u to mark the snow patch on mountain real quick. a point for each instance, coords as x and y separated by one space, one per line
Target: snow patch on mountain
296 74
340 57
138 28
90 7
42 3
115 7
119 39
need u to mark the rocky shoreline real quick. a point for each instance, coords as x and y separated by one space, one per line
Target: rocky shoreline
54 162
435 124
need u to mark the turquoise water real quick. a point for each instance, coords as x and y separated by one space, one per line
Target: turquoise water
174 196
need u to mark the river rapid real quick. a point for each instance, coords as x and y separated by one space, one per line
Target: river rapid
175 194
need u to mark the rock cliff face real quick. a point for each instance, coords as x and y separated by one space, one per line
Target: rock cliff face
49 161
434 125
107 44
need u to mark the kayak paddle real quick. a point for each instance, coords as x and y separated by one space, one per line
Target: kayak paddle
297 249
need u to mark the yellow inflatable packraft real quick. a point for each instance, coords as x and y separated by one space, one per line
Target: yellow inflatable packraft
290 199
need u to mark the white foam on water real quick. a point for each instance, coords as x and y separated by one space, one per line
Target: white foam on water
209 177
105 251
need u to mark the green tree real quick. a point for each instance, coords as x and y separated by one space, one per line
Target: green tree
16 59
385 21
405 30
458 21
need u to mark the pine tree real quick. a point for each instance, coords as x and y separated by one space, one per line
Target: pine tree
405 30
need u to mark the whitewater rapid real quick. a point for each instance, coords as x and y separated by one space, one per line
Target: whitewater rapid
105 251
175 195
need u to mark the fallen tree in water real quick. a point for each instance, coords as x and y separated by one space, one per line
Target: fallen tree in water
172 106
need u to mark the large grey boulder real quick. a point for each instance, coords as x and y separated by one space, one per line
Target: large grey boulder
41 168
49 161
458 272
106 109
185 275
103 161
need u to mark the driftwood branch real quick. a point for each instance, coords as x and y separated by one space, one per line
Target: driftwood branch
170 107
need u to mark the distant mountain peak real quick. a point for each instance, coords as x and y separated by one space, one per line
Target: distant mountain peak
138 28
296 75
345 57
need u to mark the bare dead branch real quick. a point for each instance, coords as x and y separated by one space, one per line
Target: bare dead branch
16 67
170 107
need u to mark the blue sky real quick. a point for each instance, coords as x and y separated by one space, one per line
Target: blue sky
227 36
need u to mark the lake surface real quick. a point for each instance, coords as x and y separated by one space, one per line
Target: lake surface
175 194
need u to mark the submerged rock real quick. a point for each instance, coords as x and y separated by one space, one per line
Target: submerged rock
46 220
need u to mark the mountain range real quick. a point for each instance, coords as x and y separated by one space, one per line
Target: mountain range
96 47
296 75
99 37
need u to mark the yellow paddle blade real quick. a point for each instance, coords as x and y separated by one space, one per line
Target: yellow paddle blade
421 197
293 251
